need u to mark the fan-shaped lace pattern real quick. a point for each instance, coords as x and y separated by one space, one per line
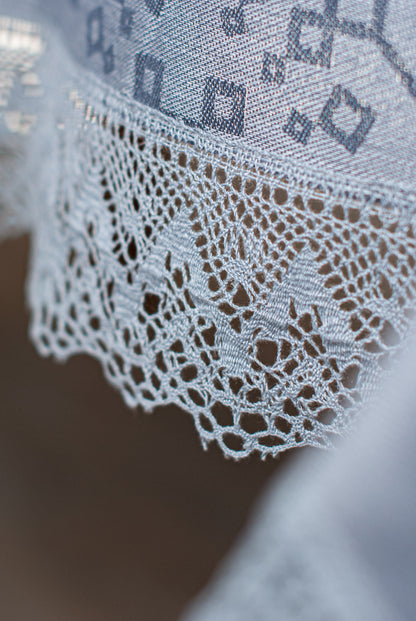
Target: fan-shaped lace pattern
262 300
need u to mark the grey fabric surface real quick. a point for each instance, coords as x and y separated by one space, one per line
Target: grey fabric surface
337 538
221 231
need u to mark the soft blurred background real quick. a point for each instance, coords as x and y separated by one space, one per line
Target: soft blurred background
105 513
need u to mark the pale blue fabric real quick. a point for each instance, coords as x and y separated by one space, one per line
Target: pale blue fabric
222 201
328 83
222 205
334 537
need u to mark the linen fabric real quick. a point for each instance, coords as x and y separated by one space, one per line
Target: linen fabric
221 200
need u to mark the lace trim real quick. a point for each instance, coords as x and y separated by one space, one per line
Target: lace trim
262 299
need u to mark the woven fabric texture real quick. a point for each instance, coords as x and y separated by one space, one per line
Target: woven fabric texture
251 262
